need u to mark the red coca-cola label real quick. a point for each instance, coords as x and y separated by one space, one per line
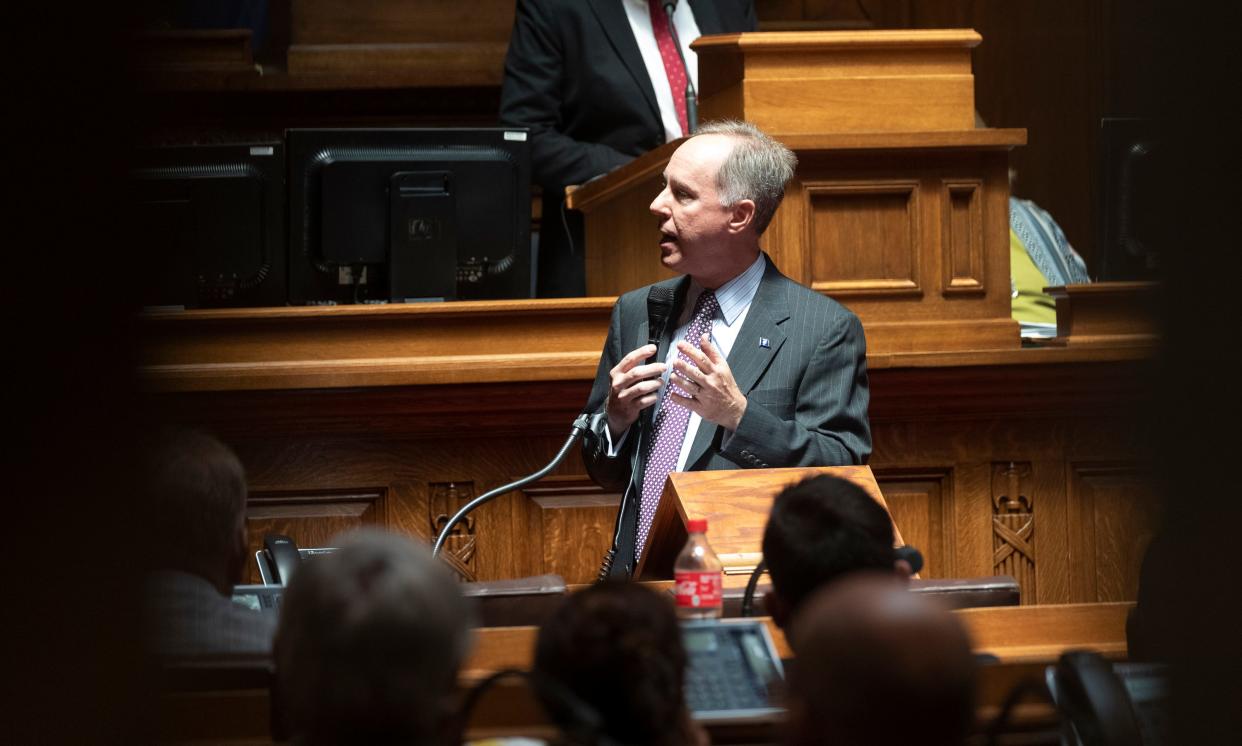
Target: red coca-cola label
698 589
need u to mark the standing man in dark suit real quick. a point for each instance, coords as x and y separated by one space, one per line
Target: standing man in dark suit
591 79
754 370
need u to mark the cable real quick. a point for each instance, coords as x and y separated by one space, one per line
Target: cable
748 598
1028 685
569 236
586 724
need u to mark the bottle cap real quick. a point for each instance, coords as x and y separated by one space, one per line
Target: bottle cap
697 525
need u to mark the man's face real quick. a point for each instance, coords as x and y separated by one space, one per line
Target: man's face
692 221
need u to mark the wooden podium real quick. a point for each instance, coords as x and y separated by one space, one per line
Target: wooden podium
899 207
736 504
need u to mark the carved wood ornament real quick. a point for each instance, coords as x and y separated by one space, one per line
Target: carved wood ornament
458 551
1013 526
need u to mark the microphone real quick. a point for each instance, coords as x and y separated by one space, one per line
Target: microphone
580 427
692 98
911 555
660 301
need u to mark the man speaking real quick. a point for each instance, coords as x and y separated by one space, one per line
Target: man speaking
751 370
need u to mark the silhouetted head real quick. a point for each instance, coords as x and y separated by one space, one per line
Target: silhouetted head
818 530
617 647
878 665
369 644
194 488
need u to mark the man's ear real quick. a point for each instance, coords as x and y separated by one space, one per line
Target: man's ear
903 570
776 608
742 215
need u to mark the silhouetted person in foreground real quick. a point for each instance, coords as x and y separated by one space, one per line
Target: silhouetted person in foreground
819 530
613 653
195 494
878 665
370 641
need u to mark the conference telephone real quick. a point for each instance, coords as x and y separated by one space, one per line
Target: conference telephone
280 557
1109 703
277 561
734 672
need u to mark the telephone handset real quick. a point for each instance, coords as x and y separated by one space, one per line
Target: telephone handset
1105 703
282 558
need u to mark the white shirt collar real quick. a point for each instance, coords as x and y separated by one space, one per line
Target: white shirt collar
736 295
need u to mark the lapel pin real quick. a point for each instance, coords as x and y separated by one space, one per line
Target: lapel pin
764 343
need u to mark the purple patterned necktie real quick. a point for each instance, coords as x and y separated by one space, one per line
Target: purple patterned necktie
670 425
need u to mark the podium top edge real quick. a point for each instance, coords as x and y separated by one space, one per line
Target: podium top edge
877 38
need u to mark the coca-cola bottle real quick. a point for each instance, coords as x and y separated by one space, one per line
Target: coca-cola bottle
697 576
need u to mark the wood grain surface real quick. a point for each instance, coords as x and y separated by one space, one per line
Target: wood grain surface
736 505
1018 634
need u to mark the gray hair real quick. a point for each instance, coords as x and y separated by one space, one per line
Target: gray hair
370 640
758 168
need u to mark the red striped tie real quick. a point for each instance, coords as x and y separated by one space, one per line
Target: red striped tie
672 61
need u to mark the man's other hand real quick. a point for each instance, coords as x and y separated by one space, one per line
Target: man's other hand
714 394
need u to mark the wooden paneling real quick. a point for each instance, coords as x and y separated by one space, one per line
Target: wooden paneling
398 21
1116 515
921 504
963 253
862 221
863 238
419 343
1014 509
1094 60
950 440
460 43
840 81
571 522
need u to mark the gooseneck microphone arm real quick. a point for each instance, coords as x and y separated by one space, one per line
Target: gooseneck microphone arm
580 428
691 96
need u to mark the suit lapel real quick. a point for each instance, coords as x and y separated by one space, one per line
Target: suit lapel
770 308
616 24
749 358
706 17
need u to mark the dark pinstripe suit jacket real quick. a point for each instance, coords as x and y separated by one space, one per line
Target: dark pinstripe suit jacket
806 392
184 614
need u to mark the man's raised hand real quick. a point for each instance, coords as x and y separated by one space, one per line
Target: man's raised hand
634 386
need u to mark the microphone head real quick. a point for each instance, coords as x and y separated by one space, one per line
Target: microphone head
912 556
660 302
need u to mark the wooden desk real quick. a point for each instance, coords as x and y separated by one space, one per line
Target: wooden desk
992 462
1024 639
1014 634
